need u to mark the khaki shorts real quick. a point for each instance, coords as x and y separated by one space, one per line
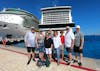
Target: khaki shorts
62 47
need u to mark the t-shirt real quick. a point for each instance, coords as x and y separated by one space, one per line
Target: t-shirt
78 37
30 39
56 41
48 42
68 39
62 39
40 40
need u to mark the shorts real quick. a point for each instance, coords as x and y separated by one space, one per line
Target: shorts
41 49
30 49
62 47
68 49
77 50
48 50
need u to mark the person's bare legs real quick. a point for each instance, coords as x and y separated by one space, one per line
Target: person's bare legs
62 54
50 57
33 55
70 57
41 56
80 58
28 55
76 56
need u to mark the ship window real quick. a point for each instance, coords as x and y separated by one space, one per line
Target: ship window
16 27
0 25
5 25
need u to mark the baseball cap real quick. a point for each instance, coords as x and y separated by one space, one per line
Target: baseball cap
77 26
40 30
67 27
32 28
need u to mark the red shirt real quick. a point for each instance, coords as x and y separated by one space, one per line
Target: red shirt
62 39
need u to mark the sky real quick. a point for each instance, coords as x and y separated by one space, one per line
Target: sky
85 13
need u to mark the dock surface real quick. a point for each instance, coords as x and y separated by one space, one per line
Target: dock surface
15 59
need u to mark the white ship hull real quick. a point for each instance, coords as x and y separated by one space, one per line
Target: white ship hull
16 22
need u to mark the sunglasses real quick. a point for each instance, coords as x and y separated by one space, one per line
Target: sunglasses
67 29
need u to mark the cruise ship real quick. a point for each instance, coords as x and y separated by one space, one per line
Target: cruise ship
56 18
15 22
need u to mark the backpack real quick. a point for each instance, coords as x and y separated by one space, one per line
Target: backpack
37 52
40 63
47 63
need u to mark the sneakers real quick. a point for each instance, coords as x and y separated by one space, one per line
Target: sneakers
69 63
75 61
57 62
28 61
34 60
80 64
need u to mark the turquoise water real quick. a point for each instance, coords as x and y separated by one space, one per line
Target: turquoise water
91 47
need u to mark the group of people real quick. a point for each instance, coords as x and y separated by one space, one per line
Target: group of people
53 45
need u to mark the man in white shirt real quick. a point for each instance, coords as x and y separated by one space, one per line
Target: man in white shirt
30 42
57 44
69 43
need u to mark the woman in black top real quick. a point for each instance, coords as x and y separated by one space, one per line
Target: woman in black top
48 43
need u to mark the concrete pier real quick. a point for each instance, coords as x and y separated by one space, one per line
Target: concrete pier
15 59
